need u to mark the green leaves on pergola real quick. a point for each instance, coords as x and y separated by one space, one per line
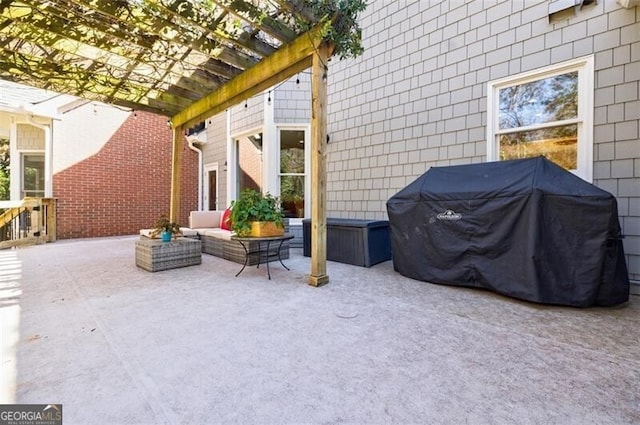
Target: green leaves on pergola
158 55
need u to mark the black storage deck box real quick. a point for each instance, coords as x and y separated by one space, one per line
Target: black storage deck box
353 241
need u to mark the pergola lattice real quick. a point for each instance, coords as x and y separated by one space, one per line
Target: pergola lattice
152 55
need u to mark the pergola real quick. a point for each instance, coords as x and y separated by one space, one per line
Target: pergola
185 59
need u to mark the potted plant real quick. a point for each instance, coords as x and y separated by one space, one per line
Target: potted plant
165 228
255 214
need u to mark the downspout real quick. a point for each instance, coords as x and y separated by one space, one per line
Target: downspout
200 168
231 162
270 145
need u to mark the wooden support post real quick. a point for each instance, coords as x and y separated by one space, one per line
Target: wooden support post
319 68
176 166
50 208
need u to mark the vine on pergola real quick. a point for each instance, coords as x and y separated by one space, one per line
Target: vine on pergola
158 55
344 30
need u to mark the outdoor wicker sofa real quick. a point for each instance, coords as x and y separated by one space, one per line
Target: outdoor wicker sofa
217 241
207 227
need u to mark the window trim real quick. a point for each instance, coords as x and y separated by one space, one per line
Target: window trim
23 156
585 68
307 165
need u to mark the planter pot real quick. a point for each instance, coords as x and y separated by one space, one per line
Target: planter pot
263 229
166 236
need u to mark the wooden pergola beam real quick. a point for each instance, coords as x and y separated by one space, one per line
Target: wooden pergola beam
284 63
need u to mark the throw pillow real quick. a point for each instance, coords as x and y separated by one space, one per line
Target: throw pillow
225 221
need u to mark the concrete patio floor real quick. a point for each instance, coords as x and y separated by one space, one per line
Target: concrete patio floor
82 326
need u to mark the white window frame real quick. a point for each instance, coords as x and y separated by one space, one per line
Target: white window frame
23 155
585 68
307 165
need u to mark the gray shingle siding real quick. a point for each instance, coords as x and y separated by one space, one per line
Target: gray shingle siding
416 98
292 100
249 117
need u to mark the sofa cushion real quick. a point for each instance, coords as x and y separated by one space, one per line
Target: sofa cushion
147 233
218 233
188 232
204 219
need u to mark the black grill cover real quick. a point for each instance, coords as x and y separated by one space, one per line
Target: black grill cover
524 228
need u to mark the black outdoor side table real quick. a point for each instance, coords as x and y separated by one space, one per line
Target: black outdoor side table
263 251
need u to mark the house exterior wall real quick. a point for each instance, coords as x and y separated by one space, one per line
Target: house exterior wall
74 140
249 166
111 167
29 138
5 125
214 152
417 97
125 186
290 105
292 101
27 135
247 118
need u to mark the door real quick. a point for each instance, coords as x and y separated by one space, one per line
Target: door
212 193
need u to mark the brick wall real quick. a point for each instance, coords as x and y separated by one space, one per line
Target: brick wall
126 185
250 165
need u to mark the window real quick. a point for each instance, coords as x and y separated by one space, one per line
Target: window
292 172
546 112
33 175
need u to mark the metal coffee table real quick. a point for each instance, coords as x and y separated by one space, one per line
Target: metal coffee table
263 251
